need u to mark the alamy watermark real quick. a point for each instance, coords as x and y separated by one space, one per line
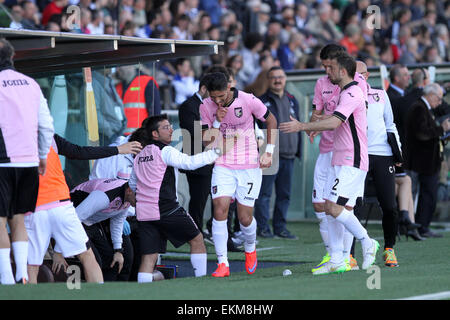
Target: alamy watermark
74 279
73 17
374 281
373 20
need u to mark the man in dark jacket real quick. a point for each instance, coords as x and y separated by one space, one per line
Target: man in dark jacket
283 105
424 152
199 180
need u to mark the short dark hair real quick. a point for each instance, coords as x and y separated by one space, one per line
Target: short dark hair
6 53
395 71
140 135
152 123
218 68
216 81
274 68
331 51
348 63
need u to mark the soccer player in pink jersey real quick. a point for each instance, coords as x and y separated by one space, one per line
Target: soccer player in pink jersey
326 96
237 174
349 163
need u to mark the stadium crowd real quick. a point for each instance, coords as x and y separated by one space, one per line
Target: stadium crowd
256 33
263 39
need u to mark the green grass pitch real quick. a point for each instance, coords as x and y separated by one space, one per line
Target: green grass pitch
424 269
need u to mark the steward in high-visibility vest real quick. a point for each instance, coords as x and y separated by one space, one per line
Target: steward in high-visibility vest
138 98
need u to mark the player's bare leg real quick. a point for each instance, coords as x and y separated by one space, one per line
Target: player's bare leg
92 271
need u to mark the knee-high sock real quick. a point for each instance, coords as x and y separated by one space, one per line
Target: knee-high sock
20 250
249 236
220 238
348 242
323 228
144 277
336 240
6 274
198 261
352 224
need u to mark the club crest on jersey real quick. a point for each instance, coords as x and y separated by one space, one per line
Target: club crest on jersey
376 97
214 189
238 112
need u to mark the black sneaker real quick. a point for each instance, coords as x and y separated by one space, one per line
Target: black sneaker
265 234
232 247
285 234
207 237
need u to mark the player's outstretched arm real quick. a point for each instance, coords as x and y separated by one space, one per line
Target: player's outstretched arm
133 147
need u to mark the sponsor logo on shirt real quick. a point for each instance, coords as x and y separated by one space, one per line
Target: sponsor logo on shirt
13 83
145 159
327 92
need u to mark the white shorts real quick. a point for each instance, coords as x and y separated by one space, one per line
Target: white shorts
323 164
60 223
242 185
345 184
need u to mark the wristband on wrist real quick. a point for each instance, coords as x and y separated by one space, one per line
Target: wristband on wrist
270 148
216 124
118 250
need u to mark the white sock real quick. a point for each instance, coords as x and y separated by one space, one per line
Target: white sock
144 277
249 236
348 242
220 238
336 240
352 224
198 261
323 228
6 274
20 250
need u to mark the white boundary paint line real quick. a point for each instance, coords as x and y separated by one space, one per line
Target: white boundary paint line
431 296
183 254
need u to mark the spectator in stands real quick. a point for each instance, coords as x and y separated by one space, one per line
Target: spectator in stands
139 14
153 24
351 39
17 16
411 54
181 27
289 53
301 15
402 18
97 25
321 25
250 55
431 55
260 85
30 18
54 7
184 82
235 63
442 42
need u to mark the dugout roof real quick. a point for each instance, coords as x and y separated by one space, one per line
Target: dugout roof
44 51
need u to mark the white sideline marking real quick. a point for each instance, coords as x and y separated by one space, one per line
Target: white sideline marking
431 296
269 248
183 254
